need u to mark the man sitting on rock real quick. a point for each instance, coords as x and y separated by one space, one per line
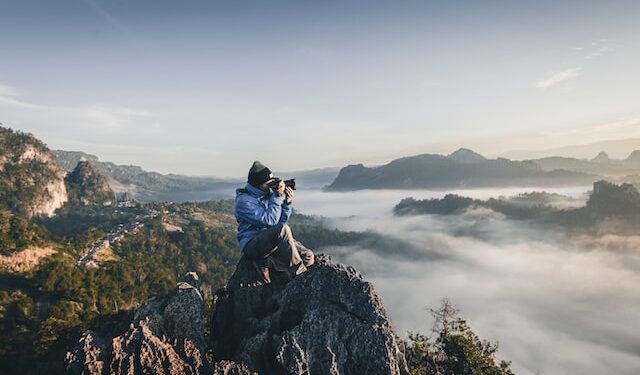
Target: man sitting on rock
263 233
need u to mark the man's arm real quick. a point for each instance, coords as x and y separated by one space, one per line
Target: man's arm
255 213
286 213
286 207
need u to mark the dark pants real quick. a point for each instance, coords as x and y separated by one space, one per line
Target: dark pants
276 248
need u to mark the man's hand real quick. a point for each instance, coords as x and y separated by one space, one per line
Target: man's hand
288 192
280 189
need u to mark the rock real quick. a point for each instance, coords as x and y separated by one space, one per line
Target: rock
86 186
192 278
328 320
165 337
89 357
230 368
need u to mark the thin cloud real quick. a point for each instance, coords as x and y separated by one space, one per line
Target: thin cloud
99 119
593 50
559 77
108 17
599 48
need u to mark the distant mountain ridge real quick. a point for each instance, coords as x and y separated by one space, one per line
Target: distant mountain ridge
141 184
616 148
146 186
602 164
461 169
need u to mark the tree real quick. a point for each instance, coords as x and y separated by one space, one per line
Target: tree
452 348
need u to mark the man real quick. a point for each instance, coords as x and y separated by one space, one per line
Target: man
263 233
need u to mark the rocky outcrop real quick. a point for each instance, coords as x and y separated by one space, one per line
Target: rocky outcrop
25 260
165 337
328 320
31 182
87 186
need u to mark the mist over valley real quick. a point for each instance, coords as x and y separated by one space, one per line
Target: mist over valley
557 303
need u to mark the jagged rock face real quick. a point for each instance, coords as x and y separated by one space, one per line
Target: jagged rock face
166 337
325 321
31 182
87 186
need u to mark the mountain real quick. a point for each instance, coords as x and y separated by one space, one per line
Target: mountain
463 168
31 181
634 159
464 155
615 148
311 179
86 185
148 186
601 165
602 157
327 320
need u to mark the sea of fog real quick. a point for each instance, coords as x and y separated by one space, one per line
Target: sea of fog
556 305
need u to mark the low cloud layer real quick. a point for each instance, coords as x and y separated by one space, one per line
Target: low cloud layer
557 305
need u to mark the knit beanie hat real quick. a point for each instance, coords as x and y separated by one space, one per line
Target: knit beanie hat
259 174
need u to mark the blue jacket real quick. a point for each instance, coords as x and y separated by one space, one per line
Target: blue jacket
257 210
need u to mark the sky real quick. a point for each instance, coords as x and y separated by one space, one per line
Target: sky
206 87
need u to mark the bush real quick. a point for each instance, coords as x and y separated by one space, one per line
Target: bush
452 349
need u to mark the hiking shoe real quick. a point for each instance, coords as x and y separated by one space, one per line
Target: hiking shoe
264 273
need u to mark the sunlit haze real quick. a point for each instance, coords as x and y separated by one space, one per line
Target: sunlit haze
206 87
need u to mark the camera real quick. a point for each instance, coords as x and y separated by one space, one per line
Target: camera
290 183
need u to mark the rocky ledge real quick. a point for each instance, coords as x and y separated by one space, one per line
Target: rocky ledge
328 320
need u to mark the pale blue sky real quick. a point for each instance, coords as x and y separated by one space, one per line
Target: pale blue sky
206 87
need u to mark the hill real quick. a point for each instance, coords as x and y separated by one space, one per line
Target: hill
617 148
601 165
86 185
610 209
463 168
31 181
